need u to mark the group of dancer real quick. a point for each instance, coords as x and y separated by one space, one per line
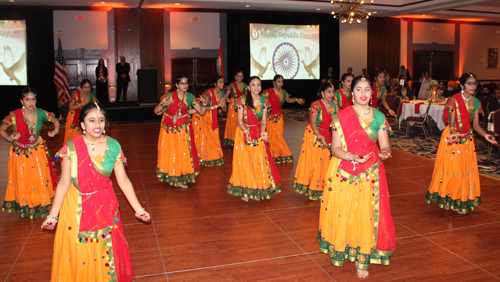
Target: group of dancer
340 164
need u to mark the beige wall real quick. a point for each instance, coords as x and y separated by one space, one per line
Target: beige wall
186 34
353 43
423 33
474 43
91 34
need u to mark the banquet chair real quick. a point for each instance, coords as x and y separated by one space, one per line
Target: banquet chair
394 102
495 133
418 122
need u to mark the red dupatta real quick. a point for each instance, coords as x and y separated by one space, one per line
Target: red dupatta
375 96
357 137
344 101
99 209
235 89
76 118
326 122
177 113
213 112
275 104
459 108
253 125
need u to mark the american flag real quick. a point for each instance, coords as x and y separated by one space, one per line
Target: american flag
61 78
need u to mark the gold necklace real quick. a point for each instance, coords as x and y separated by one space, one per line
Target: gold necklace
92 144
362 112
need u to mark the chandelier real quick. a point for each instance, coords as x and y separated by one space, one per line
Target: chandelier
350 11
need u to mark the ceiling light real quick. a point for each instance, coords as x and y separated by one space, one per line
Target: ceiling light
177 4
423 15
318 9
12 1
247 6
350 10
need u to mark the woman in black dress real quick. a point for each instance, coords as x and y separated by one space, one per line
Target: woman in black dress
101 81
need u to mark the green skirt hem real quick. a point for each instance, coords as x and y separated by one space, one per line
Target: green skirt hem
176 180
228 142
254 194
462 206
302 189
211 163
26 211
282 160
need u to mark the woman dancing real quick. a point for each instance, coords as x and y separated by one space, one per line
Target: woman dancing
380 91
90 244
315 151
31 171
178 162
355 216
277 96
343 97
455 180
234 91
255 175
78 100
206 127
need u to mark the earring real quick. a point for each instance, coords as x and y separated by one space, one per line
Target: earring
84 132
462 91
104 132
24 107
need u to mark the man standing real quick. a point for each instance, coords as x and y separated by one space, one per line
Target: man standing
122 70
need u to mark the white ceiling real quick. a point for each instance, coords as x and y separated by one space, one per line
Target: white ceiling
459 10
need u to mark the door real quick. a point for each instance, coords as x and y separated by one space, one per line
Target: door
439 64
200 72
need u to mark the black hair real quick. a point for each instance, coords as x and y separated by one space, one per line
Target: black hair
216 79
360 78
278 76
99 62
238 71
466 76
346 75
179 78
324 86
377 73
249 101
89 107
85 81
26 91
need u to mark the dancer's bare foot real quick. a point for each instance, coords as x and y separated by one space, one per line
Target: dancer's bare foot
460 212
362 273
244 199
256 199
183 186
447 207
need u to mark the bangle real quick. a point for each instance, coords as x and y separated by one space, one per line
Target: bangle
347 156
8 138
141 213
52 219
56 130
453 128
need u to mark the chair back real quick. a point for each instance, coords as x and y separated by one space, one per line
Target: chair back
496 122
427 111
389 99
396 104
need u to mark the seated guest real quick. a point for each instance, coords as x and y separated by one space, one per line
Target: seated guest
492 104
405 92
451 90
440 90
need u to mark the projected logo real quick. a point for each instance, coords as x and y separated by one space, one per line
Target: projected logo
254 34
286 60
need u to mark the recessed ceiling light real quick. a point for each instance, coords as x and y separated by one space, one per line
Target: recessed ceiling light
12 1
318 9
247 6
177 4
423 15
103 2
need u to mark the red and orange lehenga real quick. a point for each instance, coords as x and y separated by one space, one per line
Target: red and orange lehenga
255 175
355 216
72 128
206 132
314 156
31 172
178 162
455 180
234 92
90 244
342 100
281 153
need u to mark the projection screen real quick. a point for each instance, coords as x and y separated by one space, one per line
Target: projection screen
289 50
13 53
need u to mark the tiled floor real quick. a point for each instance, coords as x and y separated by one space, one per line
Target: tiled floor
205 234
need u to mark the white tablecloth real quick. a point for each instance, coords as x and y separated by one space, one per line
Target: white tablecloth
436 112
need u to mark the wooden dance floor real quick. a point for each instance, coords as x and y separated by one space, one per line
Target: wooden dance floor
204 234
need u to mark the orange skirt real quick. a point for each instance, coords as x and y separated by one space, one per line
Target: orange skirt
175 162
279 149
346 225
207 140
231 123
87 260
251 176
30 190
455 180
311 169
70 131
